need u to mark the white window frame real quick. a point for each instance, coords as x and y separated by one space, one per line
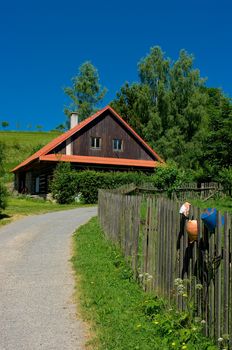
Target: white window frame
93 142
117 149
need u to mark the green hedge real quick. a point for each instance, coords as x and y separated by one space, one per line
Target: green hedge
68 184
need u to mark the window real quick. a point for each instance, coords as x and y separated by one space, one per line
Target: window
37 184
117 145
96 142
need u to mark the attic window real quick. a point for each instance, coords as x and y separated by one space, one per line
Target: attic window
96 142
117 145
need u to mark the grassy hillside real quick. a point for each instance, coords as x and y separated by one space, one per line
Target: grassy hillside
21 144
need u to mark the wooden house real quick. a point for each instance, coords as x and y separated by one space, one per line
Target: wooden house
103 141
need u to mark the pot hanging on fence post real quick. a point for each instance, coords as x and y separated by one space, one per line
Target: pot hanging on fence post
192 230
209 217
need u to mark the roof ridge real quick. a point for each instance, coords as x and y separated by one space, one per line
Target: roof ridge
61 138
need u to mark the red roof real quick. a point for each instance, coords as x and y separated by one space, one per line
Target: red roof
58 140
99 160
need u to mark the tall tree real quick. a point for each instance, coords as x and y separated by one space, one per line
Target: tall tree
85 92
218 142
167 106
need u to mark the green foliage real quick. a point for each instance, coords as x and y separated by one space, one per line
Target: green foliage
85 92
169 177
182 119
225 178
68 184
63 185
90 181
2 158
60 127
4 124
3 196
217 144
122 315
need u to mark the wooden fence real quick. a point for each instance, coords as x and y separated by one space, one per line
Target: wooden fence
188 190
152 236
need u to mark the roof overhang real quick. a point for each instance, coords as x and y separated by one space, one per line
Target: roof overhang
100 160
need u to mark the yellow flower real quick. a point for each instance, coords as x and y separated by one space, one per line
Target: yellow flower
173 344
184 347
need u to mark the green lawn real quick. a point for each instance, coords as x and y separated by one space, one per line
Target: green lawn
18 207
223 204
21 144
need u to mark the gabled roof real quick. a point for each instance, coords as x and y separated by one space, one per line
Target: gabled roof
40 155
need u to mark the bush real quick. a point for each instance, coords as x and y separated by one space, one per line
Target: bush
88 182
3 196
225 178
63 185
68 183
169 177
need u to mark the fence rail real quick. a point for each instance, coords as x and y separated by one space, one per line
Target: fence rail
152 236
191 190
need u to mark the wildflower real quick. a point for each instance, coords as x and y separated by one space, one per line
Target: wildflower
178 281
149 277
184 347
203 321
173 344
185 295
156 322
220 340
199 286
140 275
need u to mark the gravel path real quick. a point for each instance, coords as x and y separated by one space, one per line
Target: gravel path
37 310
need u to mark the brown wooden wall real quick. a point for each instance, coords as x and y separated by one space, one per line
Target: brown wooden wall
108 128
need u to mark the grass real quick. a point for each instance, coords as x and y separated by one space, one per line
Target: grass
122 316
223 204
18 207
21 144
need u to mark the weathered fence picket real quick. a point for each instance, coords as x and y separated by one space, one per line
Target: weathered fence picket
152 236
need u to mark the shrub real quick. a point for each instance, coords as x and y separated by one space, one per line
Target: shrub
88 182
225 177
68 183
63 185
2 157
3 196
169 177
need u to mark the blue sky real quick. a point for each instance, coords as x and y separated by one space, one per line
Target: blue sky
42 44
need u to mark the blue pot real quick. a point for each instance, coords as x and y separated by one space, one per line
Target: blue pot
209 217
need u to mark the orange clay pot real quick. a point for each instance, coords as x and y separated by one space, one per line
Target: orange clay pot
192 230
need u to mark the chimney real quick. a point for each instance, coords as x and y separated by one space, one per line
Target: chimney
73 119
